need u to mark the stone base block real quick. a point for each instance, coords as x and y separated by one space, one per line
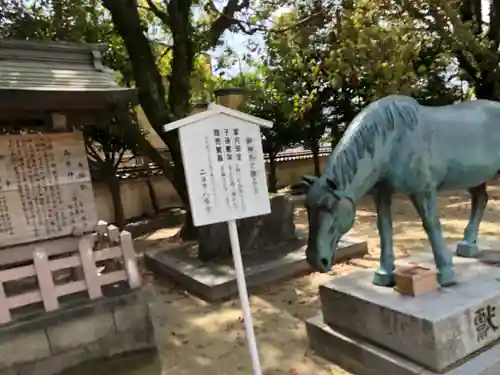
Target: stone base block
214 282
360 357
436 330
48 343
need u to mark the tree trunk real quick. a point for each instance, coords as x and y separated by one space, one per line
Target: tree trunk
486 90
59 24
152 196
188 231
152 94
175 174
114 186
179 94
273 179
315 152
149 82
484 76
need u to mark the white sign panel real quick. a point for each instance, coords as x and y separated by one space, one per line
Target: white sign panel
224 168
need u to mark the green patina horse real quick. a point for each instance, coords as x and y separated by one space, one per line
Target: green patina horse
396 145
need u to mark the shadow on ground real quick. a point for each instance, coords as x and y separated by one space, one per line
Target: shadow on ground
198 338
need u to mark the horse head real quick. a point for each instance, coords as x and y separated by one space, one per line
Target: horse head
331 214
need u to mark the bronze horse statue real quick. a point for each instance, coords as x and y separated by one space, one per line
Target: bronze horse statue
396 145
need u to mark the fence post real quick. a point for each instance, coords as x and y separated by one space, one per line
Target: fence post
45 279
5 316
89 269
101 228
113 234
129 260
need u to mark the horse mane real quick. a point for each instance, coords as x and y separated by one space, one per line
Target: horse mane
394 112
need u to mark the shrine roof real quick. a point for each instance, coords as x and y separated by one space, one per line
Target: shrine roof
215 110
57 74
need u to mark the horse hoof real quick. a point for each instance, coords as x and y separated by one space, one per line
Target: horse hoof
382 278
467 250
446 277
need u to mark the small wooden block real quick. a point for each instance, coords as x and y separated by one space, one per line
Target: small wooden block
415 280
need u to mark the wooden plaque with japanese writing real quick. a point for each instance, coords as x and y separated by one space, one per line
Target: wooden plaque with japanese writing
45 187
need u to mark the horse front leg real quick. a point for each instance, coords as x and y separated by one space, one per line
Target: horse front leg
425 204
479 198
384 276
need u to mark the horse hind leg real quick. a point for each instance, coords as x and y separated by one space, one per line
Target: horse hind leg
479 198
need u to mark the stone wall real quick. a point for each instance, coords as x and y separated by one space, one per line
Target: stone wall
52 342
137 202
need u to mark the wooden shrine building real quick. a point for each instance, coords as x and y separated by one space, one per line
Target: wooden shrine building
56 257
40 82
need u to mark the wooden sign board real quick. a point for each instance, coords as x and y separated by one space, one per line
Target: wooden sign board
223 164
45 187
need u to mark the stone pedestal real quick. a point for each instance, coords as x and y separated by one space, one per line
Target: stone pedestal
216 281
257 233
375 330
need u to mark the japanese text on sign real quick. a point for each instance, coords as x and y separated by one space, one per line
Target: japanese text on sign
230 171
218 145
252 159
45 187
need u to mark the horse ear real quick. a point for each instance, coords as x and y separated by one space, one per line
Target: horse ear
334 189
309 180
332 184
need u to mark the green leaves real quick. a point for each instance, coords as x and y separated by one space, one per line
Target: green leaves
345 56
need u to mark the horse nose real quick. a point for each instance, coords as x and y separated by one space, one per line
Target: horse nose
321 264
326 264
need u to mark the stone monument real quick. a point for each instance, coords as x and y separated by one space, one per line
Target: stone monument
258 233
393 146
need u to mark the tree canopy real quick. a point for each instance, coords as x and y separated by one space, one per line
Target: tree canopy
316 65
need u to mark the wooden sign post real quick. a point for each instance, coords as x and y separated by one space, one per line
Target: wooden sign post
226 180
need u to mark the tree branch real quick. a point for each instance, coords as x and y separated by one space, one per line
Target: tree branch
460 48
467 66
225 19
493 29
162 16
92 151
286 28
118 159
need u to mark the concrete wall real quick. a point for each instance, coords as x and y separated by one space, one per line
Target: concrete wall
137 202
289 172
135 198
53 342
